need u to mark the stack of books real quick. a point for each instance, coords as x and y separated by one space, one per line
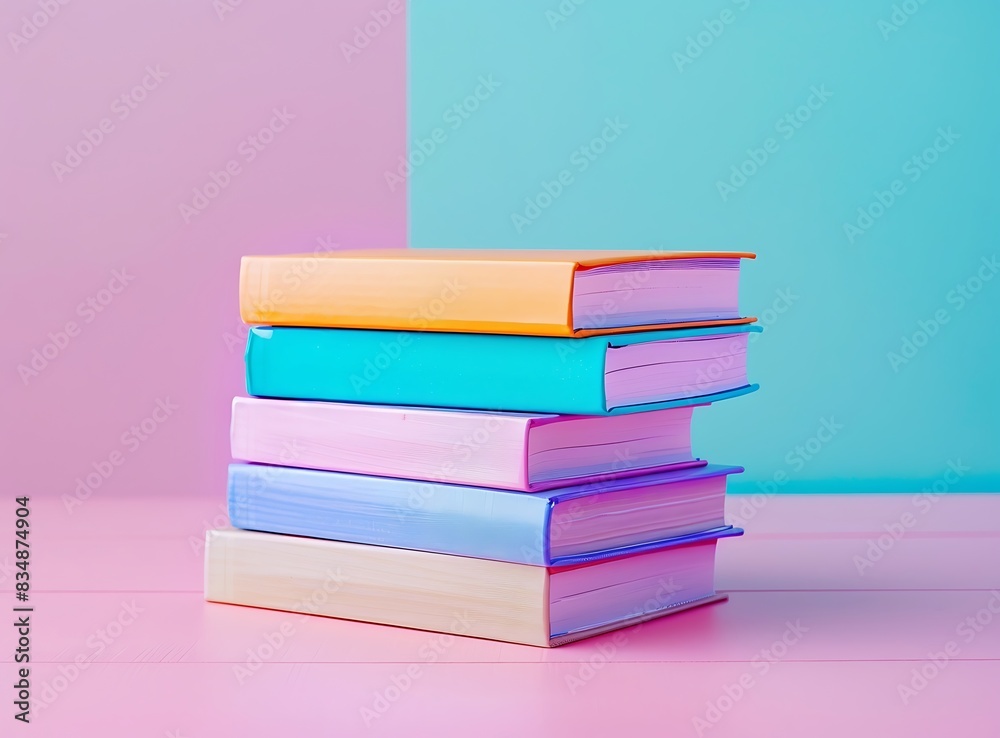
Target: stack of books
490 443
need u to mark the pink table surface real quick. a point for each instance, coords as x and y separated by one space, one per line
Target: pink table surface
124 645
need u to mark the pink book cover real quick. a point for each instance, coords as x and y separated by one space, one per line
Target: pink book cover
515 451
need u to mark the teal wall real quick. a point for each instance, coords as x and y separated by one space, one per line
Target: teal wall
878 363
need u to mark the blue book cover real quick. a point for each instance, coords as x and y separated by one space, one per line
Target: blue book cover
597 375
597 520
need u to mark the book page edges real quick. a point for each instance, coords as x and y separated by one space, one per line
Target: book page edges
563 638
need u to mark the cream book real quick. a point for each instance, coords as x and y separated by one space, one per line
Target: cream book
518 603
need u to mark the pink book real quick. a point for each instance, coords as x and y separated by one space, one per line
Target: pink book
515 451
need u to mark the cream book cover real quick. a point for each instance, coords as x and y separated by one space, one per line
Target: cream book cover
503 601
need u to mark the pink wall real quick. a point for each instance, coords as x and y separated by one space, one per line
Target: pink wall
198 79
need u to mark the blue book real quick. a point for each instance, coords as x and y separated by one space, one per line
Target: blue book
598 520
597 375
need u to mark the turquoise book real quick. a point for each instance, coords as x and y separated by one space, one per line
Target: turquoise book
596 375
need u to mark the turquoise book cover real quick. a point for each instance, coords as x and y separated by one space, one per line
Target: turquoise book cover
465 370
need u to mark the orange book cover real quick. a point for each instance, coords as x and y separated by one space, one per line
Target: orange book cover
480 291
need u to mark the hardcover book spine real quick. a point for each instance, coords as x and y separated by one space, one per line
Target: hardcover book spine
414 294
484 450
464 521
413 589
469 370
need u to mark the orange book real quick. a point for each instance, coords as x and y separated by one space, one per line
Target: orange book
544 293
